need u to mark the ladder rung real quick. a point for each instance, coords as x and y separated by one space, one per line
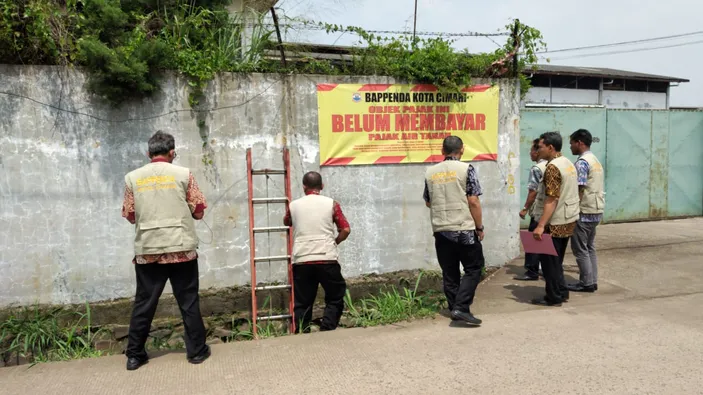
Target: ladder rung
270 287
267 171
271 229
272 258
274 317
270 200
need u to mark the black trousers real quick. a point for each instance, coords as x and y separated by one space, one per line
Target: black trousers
532 260
306 278
553 272
151 280
459 290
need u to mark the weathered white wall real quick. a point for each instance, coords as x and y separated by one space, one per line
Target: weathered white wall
634 100
610 99
561 96
61 182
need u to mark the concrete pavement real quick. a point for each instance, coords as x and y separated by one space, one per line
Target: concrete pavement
641 333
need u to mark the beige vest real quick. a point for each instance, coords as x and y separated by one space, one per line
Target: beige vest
593 201
313 229
164 222
542 166
567 209
449 209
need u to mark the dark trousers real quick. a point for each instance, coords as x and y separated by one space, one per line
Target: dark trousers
459 290
151 280
532 260
553 272
306 278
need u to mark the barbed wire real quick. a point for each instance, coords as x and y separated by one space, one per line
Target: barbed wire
303 26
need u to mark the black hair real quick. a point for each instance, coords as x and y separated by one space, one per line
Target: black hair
452 145
161 144
553 139
583 136
535 144
312 180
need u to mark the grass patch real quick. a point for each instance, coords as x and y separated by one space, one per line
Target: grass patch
55 335
392 306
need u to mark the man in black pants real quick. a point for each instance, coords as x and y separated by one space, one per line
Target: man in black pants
557 207
452 193
533 181
163 200
315 256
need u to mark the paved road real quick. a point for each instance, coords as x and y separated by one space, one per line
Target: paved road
641 333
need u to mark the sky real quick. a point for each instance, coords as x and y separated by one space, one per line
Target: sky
564 24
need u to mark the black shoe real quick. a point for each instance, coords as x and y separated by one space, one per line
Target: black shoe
580 288
544 302
466 317
595 287
526 277
136 363
200 358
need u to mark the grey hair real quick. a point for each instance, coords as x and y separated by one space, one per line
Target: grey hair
161 143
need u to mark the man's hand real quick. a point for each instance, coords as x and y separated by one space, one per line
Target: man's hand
343 234
480 234
523 213
538 232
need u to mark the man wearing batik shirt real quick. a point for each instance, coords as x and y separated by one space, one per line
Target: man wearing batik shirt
315 254
163 200
533 181
557 207
591 181
452 193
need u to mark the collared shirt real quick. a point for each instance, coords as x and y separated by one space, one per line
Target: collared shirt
535 177
196 203
473 188
582 170
337 217
552 187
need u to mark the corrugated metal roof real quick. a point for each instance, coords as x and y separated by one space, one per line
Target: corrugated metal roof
550 69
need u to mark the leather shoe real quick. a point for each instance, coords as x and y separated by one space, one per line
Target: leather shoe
136 363
466 317
544 302
580 288
525 277
595 287
200 358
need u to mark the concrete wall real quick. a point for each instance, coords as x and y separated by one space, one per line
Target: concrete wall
61 183
610 99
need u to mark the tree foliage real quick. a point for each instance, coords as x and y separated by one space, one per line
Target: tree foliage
125 45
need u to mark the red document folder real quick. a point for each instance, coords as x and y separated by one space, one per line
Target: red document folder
534 246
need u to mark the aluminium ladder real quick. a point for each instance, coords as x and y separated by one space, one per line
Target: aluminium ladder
253 231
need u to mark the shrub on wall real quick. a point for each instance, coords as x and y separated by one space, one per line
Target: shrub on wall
124 45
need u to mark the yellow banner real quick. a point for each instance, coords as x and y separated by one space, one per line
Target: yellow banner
363 124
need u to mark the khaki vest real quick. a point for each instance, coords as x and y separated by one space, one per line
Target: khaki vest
567 210
449 209
313 229
164 222
542 166
593 201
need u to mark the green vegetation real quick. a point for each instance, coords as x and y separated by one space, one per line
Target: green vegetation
125 45
55 335
391 306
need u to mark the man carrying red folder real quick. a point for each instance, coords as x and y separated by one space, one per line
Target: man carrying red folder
557 207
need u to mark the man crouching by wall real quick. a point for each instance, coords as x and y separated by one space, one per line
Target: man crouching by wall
163 200
452 193
315 255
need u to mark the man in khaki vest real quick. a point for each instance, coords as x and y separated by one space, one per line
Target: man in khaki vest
557 207
452 193
591 181
534 179
314 219
163 200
